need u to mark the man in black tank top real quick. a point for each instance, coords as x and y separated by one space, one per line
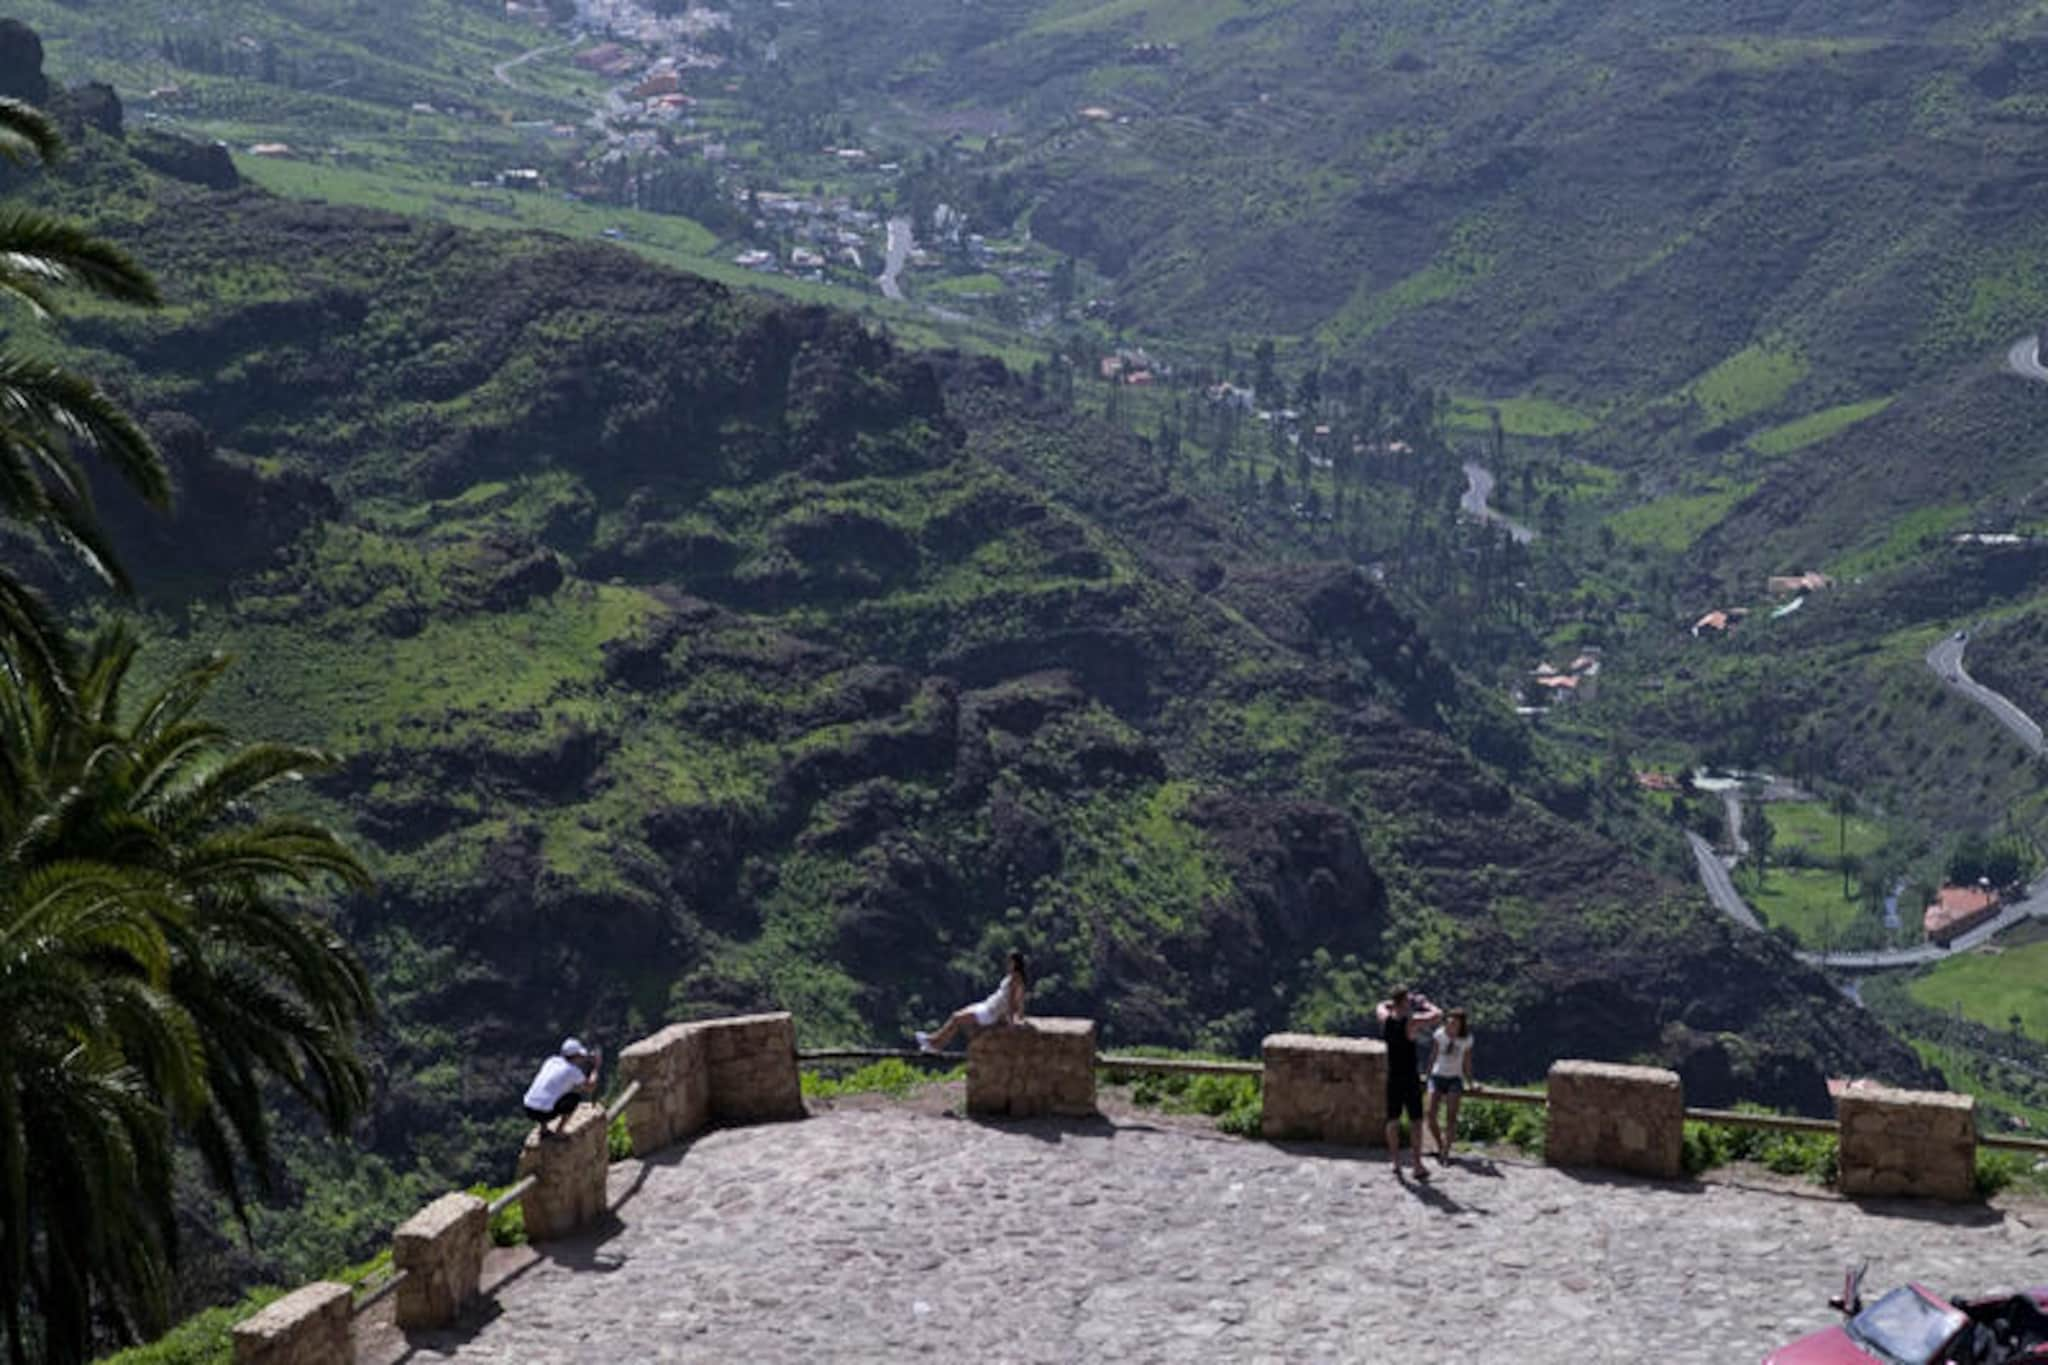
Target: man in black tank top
1402 1019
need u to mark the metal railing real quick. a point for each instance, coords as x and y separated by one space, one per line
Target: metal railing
1173 1066
382 1292
512 1192
618 1106
1726 1118
2002 1143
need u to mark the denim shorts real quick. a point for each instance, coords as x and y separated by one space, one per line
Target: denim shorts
1446 1085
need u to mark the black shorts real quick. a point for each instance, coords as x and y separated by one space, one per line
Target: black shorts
1404 1096
565 1105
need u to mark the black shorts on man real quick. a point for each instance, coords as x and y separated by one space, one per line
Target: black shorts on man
1404 1096
563 1106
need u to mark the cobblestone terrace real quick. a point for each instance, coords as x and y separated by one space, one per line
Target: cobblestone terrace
878 1232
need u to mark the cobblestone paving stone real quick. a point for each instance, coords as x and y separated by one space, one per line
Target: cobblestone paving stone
882 1234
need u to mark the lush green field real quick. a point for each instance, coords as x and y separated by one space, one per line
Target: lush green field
1991 986
1754 379
1673 523
1521 416
1807 901
1814 427
1815 829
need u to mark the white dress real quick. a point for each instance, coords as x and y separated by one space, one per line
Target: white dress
995 1009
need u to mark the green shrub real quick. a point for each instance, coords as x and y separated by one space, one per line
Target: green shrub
1234 1101
1528 1129
890 1076
203 1339
1707 1145
618 1140
1996 1171
508 1225
1817 1155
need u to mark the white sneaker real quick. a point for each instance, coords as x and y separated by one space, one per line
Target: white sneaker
924 1041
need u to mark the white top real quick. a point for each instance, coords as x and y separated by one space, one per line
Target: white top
557 1077
1450 1054
995 1009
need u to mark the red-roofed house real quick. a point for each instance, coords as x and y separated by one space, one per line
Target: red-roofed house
1957 910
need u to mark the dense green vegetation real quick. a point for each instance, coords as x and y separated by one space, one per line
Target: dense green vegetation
159 975
689 652
692 653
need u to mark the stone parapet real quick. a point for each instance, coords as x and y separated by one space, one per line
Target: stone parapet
1325 1089
1032 1068
1910 1142
1618 1118
750 1066
569 1193
441 1251
309 1326
674 1101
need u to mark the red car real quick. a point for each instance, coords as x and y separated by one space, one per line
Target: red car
1912 1326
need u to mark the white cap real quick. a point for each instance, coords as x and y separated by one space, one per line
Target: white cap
572 1048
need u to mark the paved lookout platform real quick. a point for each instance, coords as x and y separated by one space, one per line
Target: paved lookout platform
880 1233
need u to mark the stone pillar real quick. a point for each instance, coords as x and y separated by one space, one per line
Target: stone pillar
441 1251
1619 1118
571 1167
309 1326
750 1064
674 1098
1325 1089
1913 1142
1039 1066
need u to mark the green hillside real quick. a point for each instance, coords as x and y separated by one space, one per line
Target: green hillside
691 652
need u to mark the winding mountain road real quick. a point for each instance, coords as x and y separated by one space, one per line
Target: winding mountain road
1720 884
1477 503
901 243
1946 659
2023 358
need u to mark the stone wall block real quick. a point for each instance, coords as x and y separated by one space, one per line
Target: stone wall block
750 1068
1032 1068
441 1250
1617 1118
309 1326
571 1166
1325 1089
675 1093
1908 1142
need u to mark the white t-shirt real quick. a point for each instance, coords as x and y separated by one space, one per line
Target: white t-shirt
1450 1054
558 1076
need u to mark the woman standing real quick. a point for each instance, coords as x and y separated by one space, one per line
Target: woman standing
1005 1005
1450 1071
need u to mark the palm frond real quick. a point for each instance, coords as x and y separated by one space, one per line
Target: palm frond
37 396
26 130
43 250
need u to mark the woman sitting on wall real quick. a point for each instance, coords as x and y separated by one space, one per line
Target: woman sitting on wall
1004 1006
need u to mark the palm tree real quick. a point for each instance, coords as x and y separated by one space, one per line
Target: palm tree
181 984
48 414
